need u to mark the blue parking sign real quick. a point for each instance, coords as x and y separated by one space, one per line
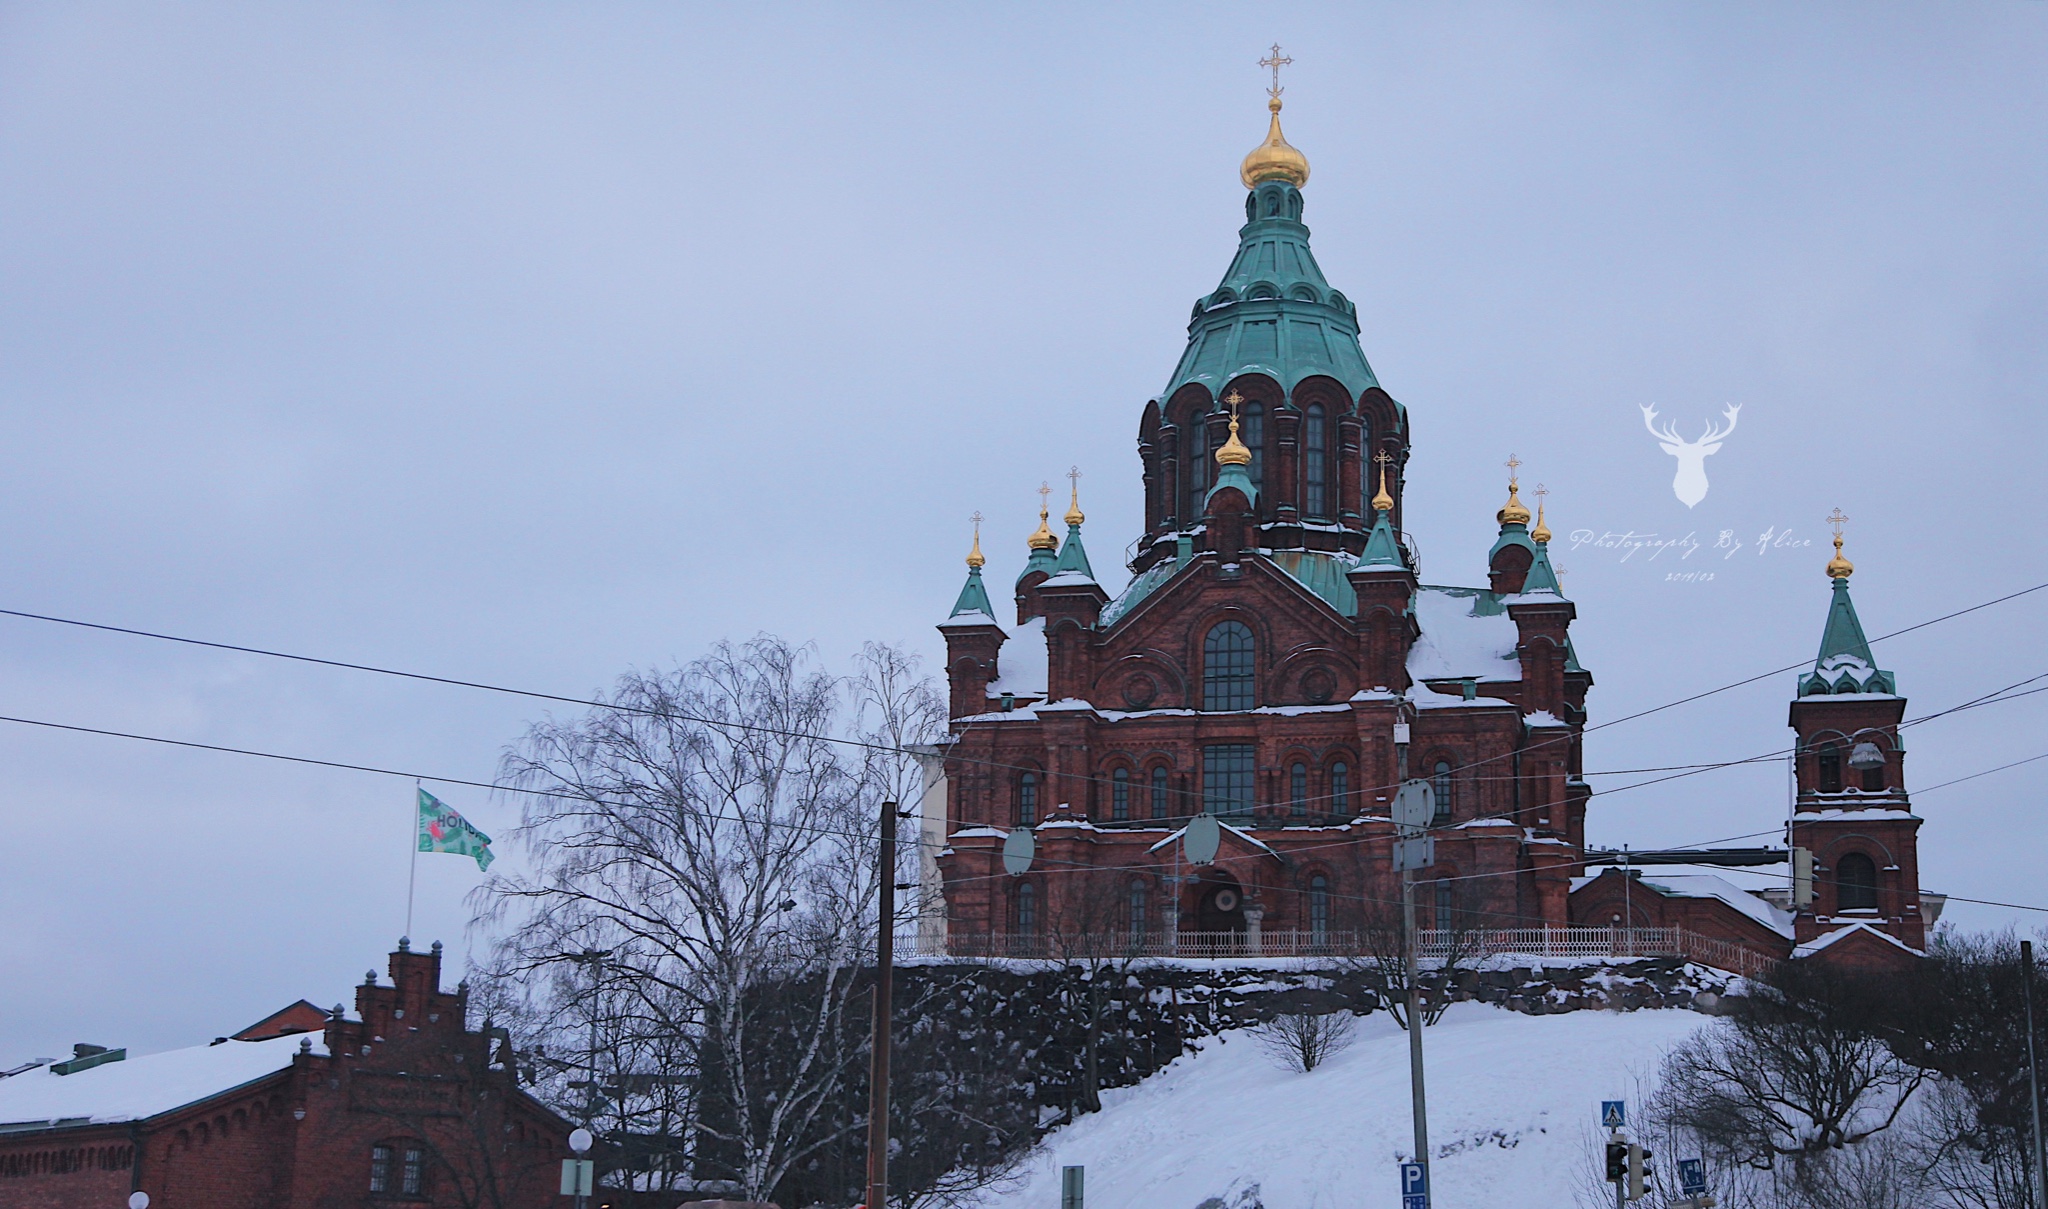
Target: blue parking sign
1414 1186
1613 1114
1692 1176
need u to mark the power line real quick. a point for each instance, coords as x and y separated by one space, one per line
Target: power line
888 748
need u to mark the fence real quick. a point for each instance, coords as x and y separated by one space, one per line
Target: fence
1432 945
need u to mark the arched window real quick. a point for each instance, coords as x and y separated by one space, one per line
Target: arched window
1440 787
1855 882
1227 667
1446 905
398 1169
1137 905
1297 788
1369 473
1197 467
1159 792
1340 788
1830 768
1120 794
1319 910
1027 799
1314 462
1252 431
1026 902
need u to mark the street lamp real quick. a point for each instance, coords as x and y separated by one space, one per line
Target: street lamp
138 1200
576 1172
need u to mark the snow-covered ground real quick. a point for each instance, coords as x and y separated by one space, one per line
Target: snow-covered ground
1513 1100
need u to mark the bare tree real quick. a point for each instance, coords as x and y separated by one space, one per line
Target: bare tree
707 830
1456 943
1302 1041
1804 1067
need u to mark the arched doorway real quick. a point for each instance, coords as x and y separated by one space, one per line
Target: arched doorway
1219 912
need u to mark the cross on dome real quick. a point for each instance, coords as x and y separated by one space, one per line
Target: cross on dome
1276 61
1838 566
1074 515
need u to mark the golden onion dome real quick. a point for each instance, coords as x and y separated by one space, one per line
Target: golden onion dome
1275 159
1382 502
1234 452
1513 512
1839 567
1541 533
1043 539
1074 514
975 560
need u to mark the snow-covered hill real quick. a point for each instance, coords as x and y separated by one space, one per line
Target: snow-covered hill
1513 1100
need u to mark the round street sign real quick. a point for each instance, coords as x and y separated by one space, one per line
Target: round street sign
1414 804
1018 849
1201 839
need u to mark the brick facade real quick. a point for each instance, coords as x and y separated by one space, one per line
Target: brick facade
406 1074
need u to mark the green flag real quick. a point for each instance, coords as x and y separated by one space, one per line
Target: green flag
443 830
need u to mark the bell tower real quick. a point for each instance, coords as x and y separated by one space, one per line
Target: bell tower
1851 809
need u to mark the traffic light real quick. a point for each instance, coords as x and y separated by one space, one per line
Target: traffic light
1617 1160
1639 1173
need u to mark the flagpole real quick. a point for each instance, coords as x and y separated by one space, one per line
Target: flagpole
412 841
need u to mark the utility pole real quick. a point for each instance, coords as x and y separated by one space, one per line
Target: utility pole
878 1071
1414 1021
2040 1180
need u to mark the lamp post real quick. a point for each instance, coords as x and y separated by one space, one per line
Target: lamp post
580 1141
138 1200
594 958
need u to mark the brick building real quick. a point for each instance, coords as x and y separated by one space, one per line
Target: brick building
402 1106
1278 661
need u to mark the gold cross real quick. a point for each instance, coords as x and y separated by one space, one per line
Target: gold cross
1276 62
1234 400
1044 491
1540 492
1837 520
1074 474
1382 457
977 519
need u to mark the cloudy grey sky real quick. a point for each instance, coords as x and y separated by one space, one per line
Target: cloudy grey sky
533 343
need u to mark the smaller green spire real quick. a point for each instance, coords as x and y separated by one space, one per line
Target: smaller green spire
1845 664
974 597
1073 559
1382 549
1541 577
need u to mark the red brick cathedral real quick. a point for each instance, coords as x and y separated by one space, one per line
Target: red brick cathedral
1277 662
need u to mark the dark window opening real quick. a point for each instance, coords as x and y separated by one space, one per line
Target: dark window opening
1120 794
1830 768
1445 905
380 1169
1252 431
1027 909
1227 667
1197 467
1856 883
1228 770
1440 787
1027 800
1297 788
1319 909
1159 793
1137 909
412 1175
1340 789
1873 780
1314 458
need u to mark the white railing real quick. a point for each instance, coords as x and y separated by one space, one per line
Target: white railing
1432 945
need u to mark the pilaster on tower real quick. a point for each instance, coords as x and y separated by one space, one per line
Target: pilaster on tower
1852 811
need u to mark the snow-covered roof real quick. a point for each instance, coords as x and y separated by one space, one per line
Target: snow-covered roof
1022 664
1459 641
143 1087
1069 579
1821 942
1866 814
967 619
1706 885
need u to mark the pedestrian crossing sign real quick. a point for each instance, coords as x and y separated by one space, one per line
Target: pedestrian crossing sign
1613 1114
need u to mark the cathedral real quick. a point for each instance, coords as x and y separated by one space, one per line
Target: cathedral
1277 663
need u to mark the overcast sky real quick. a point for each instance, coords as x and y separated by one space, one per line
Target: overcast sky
529 344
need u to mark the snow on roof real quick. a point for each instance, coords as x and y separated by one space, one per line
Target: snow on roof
1068 579
1023 662
143 1087
1459 643
1542 717
966 619
1895 814
1816 945
1706 885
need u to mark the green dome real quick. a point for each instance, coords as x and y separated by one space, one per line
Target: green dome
1274 313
